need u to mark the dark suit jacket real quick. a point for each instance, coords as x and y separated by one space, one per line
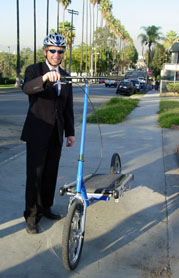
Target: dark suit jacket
46 107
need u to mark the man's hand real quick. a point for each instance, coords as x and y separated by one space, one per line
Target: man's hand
51 76
70 141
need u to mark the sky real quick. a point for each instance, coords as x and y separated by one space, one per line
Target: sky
132 14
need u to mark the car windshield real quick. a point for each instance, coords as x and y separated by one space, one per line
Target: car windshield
125 83
135 81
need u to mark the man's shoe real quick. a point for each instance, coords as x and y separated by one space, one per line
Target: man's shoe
32 229
51 215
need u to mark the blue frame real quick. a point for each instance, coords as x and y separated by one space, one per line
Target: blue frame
80 186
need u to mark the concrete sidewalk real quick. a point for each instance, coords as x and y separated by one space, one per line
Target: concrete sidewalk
134 238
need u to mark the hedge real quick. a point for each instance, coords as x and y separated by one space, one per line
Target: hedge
173 87
7 81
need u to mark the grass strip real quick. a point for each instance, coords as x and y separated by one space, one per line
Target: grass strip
113 112
11 86
168 113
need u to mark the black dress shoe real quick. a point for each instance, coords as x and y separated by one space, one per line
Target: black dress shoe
51 215
32 229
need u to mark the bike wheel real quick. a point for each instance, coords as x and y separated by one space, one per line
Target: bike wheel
115 164
73 236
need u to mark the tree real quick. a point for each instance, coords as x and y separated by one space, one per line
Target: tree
34 31
158 59
105 42
151 37
58 16
18 48
65 4
4 65
47 17
81 58
170 38
93 2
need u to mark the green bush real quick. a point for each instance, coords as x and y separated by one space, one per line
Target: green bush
168 113
10 81
7 81
173 87
114 111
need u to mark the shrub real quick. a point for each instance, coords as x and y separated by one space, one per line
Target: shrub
173 87
7 81
115 111
168 113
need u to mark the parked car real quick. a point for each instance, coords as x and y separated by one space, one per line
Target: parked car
137 84
101 81
141 79
126 87
110 83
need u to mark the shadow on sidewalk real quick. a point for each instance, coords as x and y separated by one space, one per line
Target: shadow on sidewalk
130 230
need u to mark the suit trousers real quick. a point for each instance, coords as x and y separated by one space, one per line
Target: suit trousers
42 169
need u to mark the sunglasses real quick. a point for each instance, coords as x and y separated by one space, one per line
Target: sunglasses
53 51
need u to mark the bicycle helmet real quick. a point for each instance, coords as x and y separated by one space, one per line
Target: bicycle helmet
54 39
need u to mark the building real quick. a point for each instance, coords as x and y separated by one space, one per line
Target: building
171 71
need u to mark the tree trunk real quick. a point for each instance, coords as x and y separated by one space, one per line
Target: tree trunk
34 31
81 62
17 84
57 17
47 16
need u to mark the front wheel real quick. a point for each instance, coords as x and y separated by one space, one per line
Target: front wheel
73 236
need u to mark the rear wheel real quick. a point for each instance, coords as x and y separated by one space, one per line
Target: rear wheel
73 236
115 164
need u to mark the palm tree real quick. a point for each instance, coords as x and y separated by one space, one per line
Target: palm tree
81 61
18 48
93 2
86 67
34 31
47 16
151 36
58 16
170 38
65 4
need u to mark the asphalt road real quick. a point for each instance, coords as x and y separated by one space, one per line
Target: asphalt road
13 109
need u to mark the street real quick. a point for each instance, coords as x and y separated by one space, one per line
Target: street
13 109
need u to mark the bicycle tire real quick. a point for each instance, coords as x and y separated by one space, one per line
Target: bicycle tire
115 166
73 236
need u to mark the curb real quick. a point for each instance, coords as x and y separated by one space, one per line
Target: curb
12 90
177 151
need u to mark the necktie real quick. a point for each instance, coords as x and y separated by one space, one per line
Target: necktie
57 85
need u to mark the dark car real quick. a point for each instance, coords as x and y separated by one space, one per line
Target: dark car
101 81
126 88
137 84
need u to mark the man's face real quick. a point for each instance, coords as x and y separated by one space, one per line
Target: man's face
53 57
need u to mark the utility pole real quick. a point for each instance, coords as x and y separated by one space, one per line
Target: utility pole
72 12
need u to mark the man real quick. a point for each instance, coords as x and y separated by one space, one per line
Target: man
50 114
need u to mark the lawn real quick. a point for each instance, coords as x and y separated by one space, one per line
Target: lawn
10 86
114 111
169 113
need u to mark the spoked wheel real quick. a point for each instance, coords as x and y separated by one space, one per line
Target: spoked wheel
73 236
115 164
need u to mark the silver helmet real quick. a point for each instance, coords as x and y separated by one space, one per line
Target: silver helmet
54 39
